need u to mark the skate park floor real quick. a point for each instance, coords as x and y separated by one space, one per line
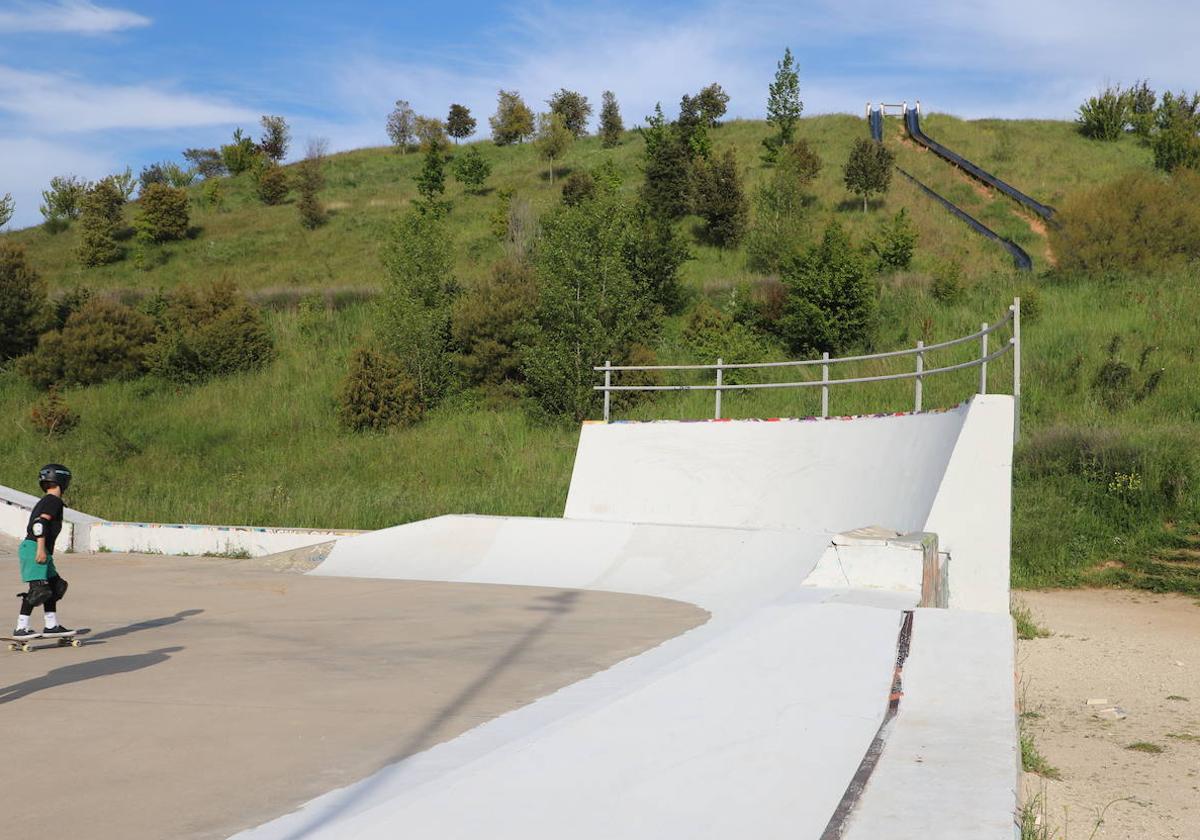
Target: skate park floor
214 694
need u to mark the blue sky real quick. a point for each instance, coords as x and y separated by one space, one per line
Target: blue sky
90 87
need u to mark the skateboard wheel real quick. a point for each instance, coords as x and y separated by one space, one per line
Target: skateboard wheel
76 643
27 647
12 646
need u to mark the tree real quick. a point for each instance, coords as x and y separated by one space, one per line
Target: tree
492 324
611 125
431 180
721 200
713 100
61 203
401 124
416 300
164 212
272 183
1142 102
513 121
207 162
1104 117
429 132
7 208
126 183
168 172
553 139
667 165
574 109
471 169
276 138
831 297
1176 143
459 122
23 303
783 104
240 155
100 222
309 181
869 169
896 242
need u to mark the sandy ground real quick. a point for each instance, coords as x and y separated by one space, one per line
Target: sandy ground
1137 651
213 695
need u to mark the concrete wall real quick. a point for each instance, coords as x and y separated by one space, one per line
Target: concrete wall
829 475
16 506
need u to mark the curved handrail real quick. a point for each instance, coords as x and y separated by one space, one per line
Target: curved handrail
912 122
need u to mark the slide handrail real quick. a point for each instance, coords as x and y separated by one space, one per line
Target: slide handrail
912 122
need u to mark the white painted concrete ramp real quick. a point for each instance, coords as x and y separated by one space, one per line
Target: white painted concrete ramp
755 723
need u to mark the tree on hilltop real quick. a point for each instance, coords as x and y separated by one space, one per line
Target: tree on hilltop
713 101
513 121
574 109
276 137
459 122
611 125
783 105
553 139
401 124
7 208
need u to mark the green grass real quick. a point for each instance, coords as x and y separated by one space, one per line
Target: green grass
1026 624
1033 761
1145 747
265 448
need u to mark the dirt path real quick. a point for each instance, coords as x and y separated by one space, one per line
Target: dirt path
1140 653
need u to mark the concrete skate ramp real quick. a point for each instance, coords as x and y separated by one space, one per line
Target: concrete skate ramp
818 475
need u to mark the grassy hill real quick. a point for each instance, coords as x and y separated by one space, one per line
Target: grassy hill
265 448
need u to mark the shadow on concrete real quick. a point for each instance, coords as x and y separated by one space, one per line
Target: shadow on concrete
148 624
82 671
555 606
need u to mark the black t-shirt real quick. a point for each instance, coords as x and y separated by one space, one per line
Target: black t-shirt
48 528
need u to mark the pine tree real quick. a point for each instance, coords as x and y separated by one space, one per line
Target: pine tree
99 224
23 304
611 125
431 180
721 200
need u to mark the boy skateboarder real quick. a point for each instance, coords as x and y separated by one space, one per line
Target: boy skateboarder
36 554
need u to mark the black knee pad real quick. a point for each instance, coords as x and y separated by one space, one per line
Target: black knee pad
59 587
39 593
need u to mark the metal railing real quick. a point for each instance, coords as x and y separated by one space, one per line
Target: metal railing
918 374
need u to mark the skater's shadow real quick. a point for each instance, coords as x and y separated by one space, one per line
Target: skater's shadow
81 671
148 624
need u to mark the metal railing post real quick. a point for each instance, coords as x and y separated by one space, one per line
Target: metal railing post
1016 339
607 384
825 384
920 370
983 343
720 370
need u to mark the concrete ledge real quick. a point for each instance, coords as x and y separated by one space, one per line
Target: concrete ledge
14 517
878 558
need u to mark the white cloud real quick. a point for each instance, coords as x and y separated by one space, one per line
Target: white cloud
51 104
78 16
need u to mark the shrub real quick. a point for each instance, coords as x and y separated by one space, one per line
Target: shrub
1175 148
276 137
431 180
376 394
52 416
212 193
209 332
781 221
1142 103
400 124
1105 116
712 334
721 200
459 122
164 212
309 181
895 242
167 173
947 286
611 124
579 186
103 340
654 252
492 324
573 108
241 155
272 184
513 121
471 169
62 203
1136 223
831 301
99 223
208 163
23 302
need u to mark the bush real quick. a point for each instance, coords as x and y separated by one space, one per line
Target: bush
1176 148
471 169
309 182
831 301
23 302
721 200
210 332
103 340
168 174
611 124
52 416
276 137
895 243
164 212
781 222
272 184
62 203
376 394
431 180
579 186
207 162
241 155
212 193
947 284
99 223
1105 117
711 334
493 322
1136 223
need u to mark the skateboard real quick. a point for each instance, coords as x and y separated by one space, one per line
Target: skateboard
62 640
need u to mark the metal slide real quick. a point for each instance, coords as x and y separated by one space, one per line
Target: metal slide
912 122
1021 259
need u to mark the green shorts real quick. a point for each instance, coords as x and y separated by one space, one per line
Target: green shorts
31 569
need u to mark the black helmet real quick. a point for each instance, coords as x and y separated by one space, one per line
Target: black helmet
54 474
